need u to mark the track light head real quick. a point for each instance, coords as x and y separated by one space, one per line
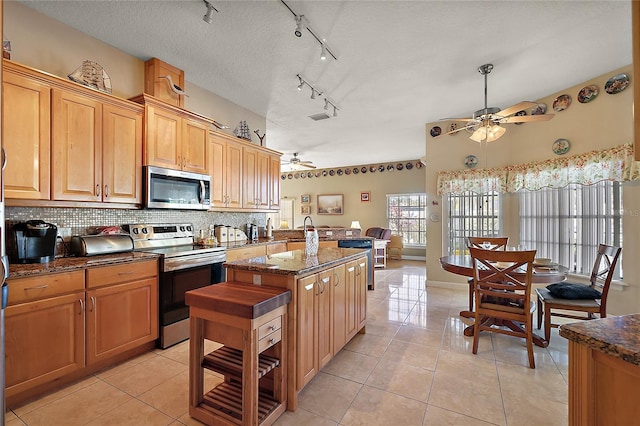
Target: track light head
335 111
323 53
298 31
208 16
313 93
301 85
326 104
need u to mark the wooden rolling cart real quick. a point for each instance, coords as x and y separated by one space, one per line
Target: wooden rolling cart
251 322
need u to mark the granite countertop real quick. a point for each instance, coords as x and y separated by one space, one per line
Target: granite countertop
65 264
615 336
295 262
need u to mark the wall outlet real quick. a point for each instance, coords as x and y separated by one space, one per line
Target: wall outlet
349 233
64 233
329 233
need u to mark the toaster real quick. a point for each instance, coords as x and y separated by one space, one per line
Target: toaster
91 245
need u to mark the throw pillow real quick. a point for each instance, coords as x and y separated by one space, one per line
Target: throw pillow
573 291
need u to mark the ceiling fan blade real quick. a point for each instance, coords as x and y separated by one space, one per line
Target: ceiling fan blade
527 118
456 130
524 105
307 165
455 119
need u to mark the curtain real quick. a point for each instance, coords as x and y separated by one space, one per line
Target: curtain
615 164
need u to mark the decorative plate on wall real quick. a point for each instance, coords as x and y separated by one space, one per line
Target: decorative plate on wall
561 146
324 173
339 172
616 84
364 169
588 93
318 173
419 165
452 127
561 103
331 173
435 131
390 167
347 171
470 161
356 170
372 169
539 109
283 177
399 166
519 114
381 168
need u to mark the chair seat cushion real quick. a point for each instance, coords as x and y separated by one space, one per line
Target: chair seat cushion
573 291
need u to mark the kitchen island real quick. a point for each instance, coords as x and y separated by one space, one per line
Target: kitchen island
604 370
328 304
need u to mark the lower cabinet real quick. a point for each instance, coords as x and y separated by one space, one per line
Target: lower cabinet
44 341
59 324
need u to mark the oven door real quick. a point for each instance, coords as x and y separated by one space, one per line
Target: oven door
174 189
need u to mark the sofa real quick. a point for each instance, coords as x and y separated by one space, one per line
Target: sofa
378 233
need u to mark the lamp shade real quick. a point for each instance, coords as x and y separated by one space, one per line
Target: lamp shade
284 224
355 224
488 133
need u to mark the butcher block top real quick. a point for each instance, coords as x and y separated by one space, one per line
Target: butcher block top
238 299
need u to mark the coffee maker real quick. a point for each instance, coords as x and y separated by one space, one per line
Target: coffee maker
35 241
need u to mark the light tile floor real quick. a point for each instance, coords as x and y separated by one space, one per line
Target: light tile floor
413 366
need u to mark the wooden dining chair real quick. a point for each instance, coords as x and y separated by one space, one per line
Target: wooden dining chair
573 296
486 243
502 288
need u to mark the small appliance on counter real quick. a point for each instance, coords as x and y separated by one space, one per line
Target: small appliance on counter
252 232
91 245
35 241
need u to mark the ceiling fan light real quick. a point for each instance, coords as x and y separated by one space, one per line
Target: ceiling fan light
495 132
479 135
294 166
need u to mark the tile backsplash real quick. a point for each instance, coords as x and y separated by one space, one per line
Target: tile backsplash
83 220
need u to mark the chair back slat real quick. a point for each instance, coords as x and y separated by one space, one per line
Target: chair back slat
603 269
488 243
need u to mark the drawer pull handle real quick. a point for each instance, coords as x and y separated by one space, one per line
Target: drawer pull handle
272 327
326 280
309 286
125 273
81 306
351 269
38 287
272 341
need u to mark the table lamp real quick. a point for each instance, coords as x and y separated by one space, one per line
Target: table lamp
355 224
284 224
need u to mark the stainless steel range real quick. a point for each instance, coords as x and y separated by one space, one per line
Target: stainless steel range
183 267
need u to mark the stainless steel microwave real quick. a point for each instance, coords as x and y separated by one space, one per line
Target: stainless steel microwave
174 189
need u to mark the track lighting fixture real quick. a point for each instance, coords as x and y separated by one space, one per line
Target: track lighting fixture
301 23
208 16
315 93
298 31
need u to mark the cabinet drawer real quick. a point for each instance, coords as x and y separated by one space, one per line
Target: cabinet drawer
32 288
270 327
269 340
245 253
106 275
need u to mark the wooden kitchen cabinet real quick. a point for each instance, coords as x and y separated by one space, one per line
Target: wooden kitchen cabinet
96 149
274 182
278 247
261 178
226 172
26 134
174 138
122 308
356 293
44 330
340 308
306 334
245 252
301 245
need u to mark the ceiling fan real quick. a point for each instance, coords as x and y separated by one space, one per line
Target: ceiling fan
295 163
485 125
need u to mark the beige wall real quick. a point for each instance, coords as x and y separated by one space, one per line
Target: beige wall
372 213
51 46
603 123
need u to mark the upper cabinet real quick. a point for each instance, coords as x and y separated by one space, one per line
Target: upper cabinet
635 30
226 171
68 143
26 116
174 138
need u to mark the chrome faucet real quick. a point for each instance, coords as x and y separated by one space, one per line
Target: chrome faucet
305 223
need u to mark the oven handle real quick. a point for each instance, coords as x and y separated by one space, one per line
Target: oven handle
184 262
202 192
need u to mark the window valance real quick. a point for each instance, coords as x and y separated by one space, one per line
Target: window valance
615 164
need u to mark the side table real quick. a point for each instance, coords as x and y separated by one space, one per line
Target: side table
251 322
380 253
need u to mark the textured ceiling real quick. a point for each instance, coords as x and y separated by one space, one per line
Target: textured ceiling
400 64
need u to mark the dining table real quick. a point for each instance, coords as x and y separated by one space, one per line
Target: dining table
542 274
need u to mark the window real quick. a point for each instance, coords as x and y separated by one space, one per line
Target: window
471 214
569 223
406 216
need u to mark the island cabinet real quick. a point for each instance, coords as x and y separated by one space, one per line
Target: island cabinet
604 370
328 304
226 172
62 326
174 138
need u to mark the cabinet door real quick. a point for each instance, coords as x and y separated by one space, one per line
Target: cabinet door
339 308
263 183
76 147
351 287
26 137
307 348
274 182
121 317
361 292
249 178
325 320
163 139
234 175
195 145
44 340
217 170
122 155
